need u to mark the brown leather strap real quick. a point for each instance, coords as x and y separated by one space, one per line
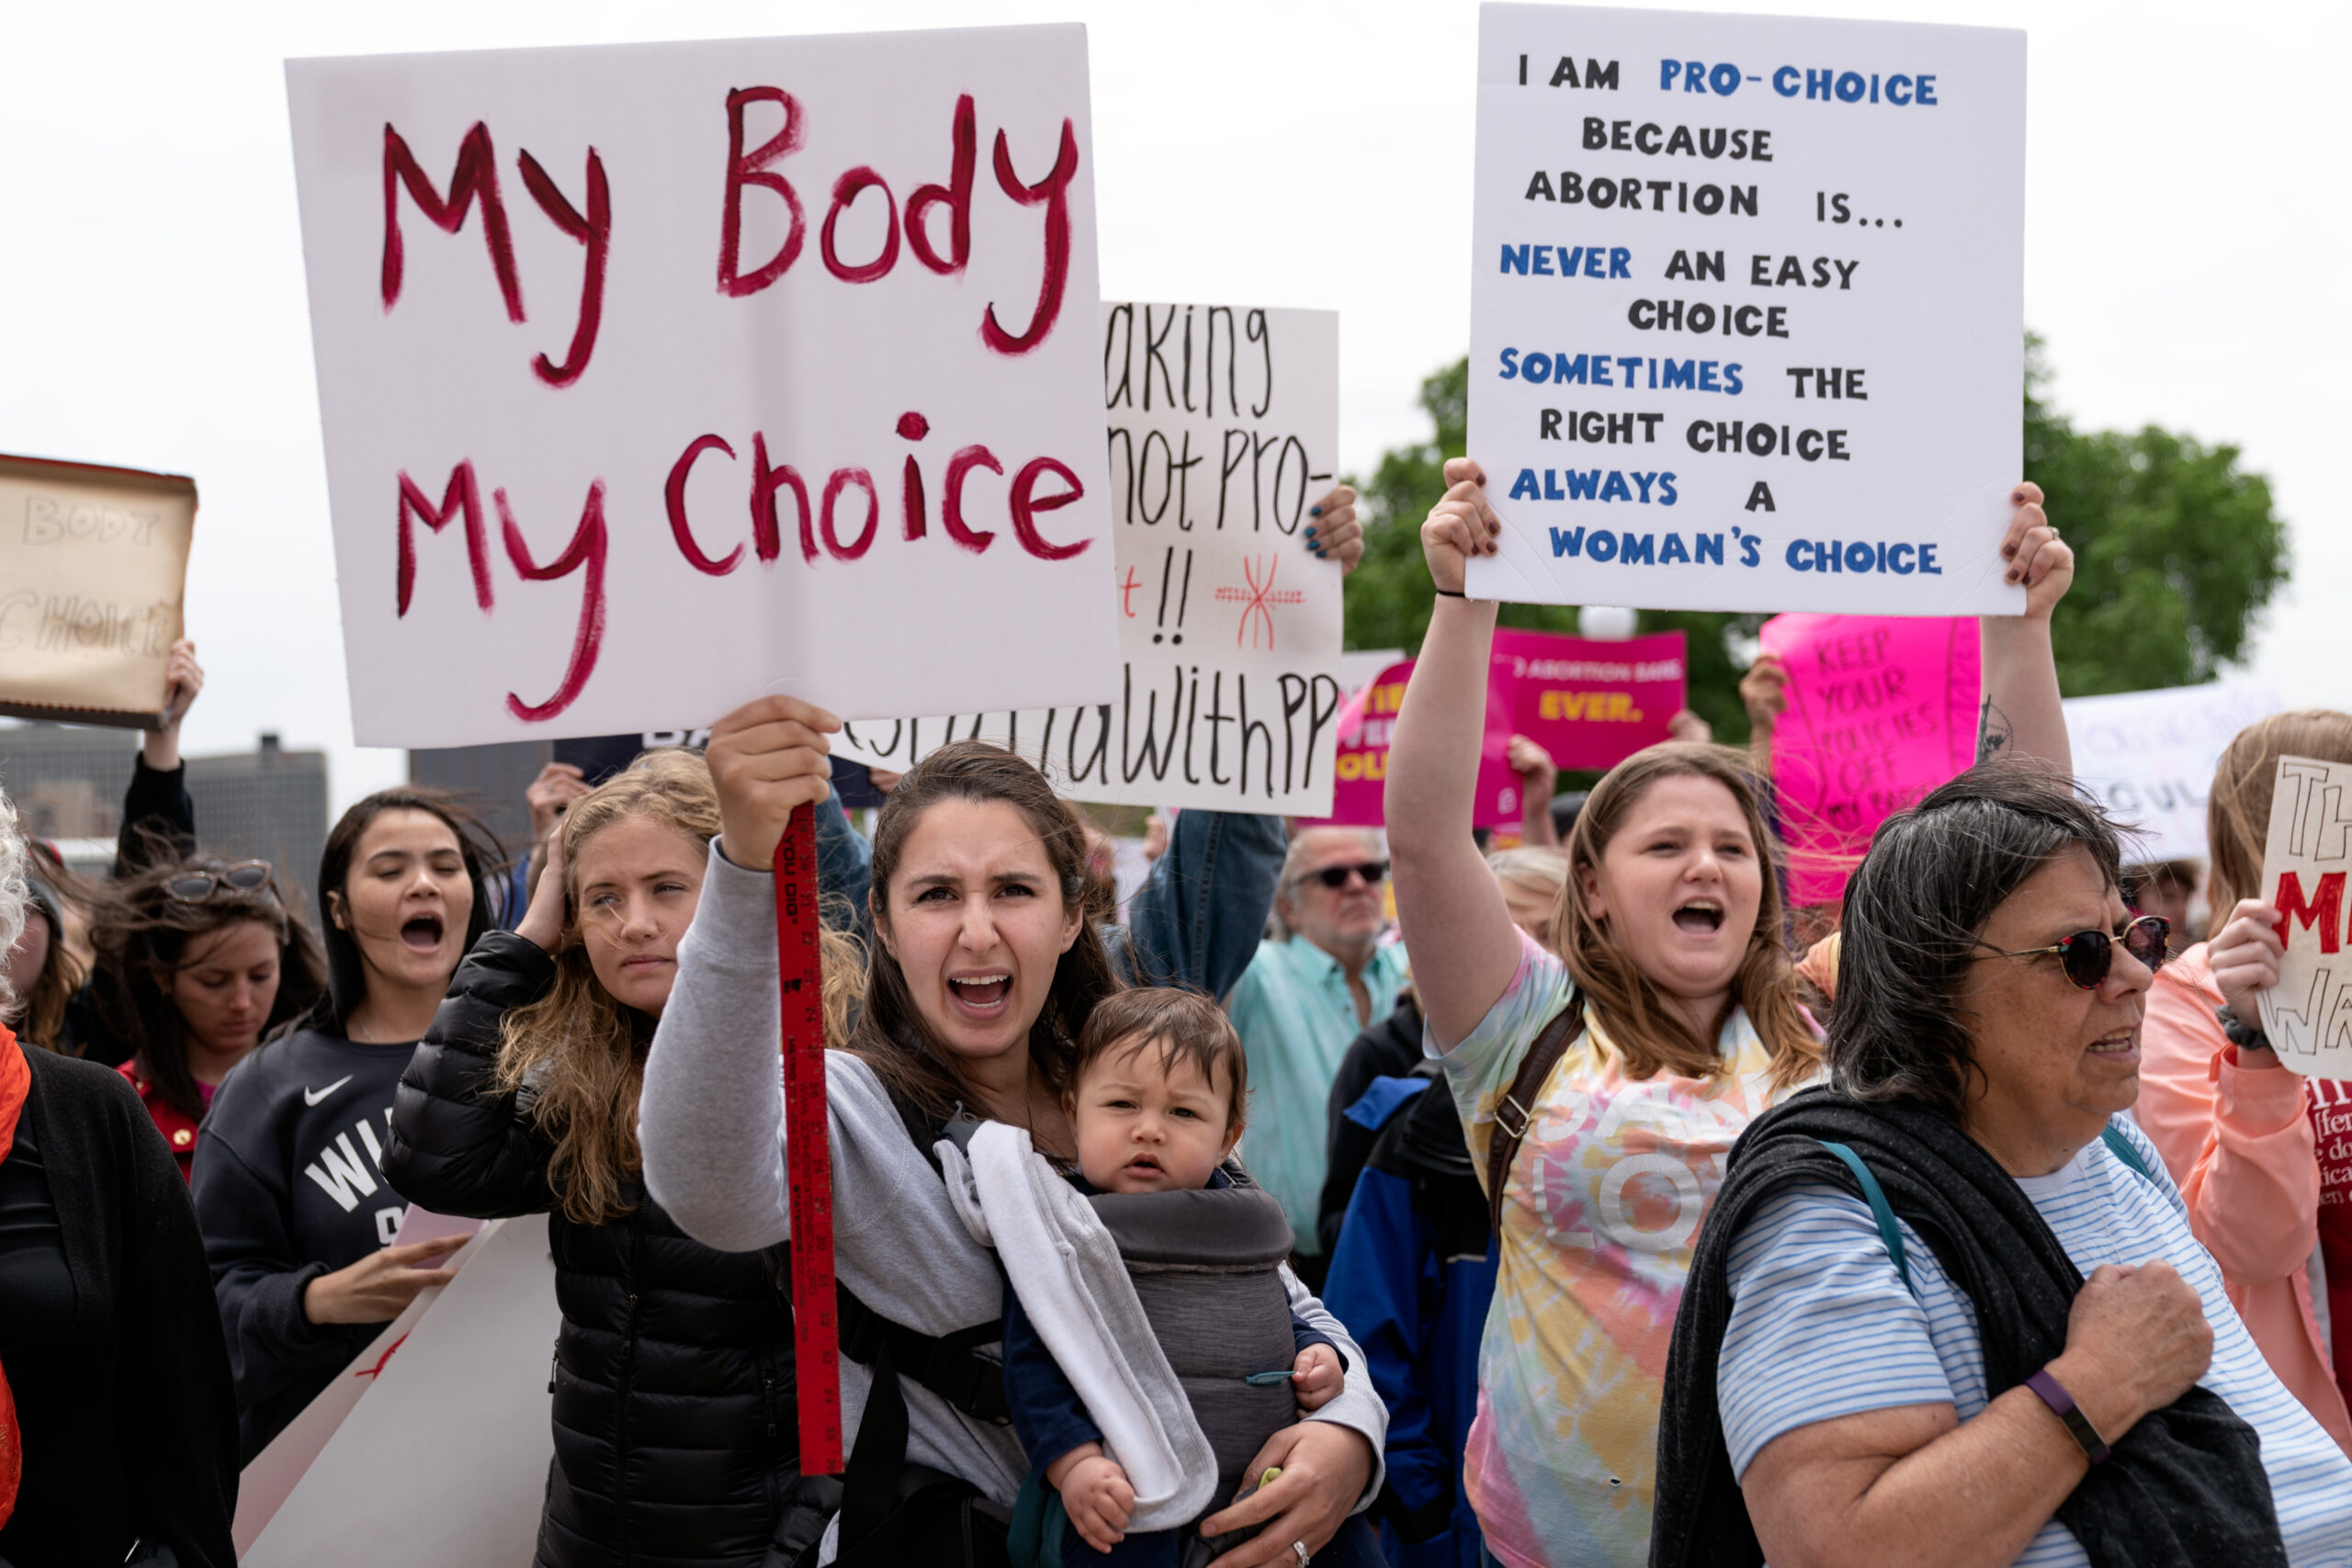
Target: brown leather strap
1502 1145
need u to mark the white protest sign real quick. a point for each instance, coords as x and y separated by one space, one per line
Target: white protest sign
1746 311
2148 758
1225 432
655 377
2308 1015
444 1458
271 1475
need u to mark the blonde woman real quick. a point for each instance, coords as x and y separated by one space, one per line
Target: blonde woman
674 1398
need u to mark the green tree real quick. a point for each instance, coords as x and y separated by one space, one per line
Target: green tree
1388 596
2176 550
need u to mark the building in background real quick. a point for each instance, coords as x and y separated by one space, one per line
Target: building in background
268 804
489 781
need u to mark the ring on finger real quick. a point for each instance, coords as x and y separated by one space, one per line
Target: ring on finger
1300 1547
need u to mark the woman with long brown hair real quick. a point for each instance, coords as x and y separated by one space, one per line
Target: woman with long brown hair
289 1181
1602 1078
196 960
675 1438
2253 1145
984 973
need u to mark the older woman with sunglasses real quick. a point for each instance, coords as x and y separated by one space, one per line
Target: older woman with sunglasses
1951 1310
1301 1004
196 962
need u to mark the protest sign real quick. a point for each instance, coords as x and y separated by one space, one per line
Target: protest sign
1880 710
443 1458
271 1475
654 376
93 565
1747 319
1225 430
1592 703
2308 1014
2148 758
1361 766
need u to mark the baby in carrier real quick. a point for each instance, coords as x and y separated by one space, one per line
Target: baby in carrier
1156 1101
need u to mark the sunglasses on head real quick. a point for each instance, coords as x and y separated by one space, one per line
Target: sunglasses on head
196 886
1373 872
2086 956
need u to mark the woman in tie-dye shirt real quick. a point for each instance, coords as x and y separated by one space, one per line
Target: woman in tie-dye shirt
1669 941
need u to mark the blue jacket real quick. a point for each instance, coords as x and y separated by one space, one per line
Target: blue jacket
1411 1278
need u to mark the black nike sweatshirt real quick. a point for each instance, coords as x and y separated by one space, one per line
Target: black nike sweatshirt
289 1185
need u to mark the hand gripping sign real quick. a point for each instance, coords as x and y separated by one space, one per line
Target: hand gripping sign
653 378
2308 1014
1747 309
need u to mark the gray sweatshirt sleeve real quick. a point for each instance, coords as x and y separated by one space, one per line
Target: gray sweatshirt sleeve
711 1116
1358 1405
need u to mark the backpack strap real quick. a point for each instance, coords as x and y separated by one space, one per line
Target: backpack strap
1502 1145
1875 1195
2123 1147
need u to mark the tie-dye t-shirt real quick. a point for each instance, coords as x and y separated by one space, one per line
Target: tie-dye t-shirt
1603 1204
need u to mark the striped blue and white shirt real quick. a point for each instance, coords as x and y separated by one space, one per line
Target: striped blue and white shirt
1822 1326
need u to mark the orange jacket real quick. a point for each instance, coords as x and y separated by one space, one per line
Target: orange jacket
2239 1145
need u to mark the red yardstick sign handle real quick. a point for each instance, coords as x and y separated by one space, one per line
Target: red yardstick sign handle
816 1332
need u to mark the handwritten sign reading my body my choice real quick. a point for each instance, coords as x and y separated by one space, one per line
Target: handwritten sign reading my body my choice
653 374
1224 428
1880 710
2308 1015
1747 309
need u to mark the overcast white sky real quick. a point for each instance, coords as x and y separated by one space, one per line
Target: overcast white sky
2184 247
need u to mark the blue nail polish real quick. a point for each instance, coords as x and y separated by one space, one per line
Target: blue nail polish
1315 512
1318 553
1310 530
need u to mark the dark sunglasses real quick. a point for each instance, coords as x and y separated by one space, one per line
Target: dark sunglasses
1373 872
2086 956
196 886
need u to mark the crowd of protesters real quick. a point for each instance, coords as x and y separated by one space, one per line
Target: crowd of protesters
1580 1203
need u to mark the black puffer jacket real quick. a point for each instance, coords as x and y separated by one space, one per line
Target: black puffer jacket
675 1429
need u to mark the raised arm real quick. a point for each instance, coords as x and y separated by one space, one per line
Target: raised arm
2020 711
158 815
710 1119
1197 919
1456 926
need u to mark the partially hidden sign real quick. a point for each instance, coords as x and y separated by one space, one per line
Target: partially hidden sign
1747 309
1224 433
2148 758
1361 767
1592 703
2308 1015
1880 710
654 376
92 567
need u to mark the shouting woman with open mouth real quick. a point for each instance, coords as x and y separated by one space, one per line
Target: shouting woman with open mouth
290 1188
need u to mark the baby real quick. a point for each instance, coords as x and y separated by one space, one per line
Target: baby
1155 1100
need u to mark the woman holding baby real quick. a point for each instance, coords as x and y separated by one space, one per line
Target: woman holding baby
984 977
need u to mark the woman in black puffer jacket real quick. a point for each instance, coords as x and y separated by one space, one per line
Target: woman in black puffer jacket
675 1436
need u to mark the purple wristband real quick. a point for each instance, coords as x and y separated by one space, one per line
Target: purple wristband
2061 1404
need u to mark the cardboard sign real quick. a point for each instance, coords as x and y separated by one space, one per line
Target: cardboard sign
93 567
1880 710
1747 309
1592 703
2308 1015
1361 767
654 376
443 1458
2149 757
1225 429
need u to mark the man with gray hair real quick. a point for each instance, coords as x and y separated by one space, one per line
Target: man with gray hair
1302 1001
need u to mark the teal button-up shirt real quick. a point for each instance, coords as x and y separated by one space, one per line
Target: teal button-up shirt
1296 1019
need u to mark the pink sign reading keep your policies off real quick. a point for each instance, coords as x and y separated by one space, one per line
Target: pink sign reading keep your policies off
1880 710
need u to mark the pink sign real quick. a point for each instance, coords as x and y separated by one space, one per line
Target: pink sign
1361 767
1882 709
1592 703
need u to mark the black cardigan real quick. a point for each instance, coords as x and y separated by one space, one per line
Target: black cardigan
674 1400
140 1283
